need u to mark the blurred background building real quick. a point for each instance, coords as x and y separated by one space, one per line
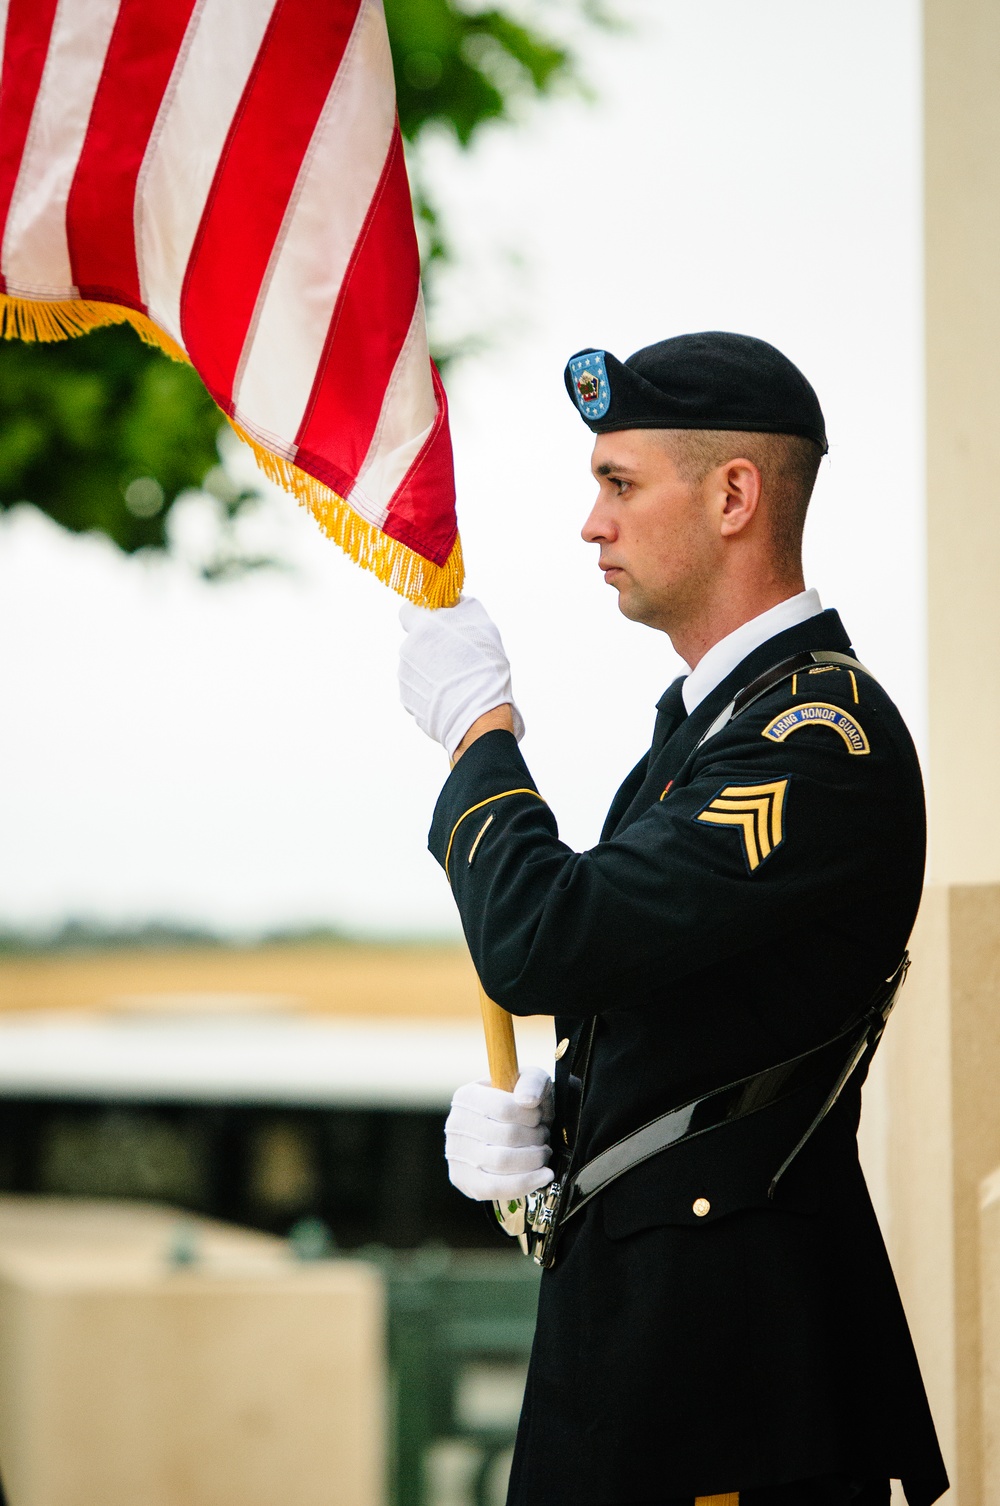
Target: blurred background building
198 756
376 1349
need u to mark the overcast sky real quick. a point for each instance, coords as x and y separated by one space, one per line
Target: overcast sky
235 755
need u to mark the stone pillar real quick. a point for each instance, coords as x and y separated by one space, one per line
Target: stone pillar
989 1264
943 1059
962 313
943 1049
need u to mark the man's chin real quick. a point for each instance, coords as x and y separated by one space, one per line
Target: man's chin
636 608
629 602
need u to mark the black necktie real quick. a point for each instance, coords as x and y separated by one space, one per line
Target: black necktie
670 713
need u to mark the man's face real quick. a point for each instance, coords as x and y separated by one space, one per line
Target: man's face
658 548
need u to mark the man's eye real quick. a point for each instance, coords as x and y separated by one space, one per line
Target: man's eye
620 485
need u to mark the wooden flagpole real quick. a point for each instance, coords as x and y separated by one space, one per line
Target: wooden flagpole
501 1048
501 1053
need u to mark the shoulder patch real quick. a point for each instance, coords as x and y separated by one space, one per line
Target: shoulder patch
758 813
818 714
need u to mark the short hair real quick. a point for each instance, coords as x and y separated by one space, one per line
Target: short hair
788 466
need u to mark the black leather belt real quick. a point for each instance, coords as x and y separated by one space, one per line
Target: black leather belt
833 1062
832 1065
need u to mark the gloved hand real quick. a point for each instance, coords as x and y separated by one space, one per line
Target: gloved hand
452 669
497 1143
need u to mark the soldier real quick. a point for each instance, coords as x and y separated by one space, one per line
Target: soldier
718 1319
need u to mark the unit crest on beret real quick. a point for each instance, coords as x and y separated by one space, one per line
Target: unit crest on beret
591 388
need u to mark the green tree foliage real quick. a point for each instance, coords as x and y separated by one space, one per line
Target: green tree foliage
105 433
461 69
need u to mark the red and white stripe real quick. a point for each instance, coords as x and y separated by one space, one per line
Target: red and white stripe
234 170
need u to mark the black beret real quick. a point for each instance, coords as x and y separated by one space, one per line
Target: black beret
712 380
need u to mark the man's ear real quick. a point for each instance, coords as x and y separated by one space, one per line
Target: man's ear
739 492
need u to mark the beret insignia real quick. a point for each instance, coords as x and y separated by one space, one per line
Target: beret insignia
591 389
818 714
758 813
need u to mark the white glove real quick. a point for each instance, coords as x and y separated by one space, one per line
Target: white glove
497 1143
452 669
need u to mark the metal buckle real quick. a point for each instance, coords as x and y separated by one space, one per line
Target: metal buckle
532 1221
542 1217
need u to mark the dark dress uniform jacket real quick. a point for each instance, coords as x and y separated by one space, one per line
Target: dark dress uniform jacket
745 899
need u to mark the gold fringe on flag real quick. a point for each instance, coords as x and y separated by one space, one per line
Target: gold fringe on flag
407 572
397 566
31 320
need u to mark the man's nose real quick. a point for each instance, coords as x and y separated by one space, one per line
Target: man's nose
598 528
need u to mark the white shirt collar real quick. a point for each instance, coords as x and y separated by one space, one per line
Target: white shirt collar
723 657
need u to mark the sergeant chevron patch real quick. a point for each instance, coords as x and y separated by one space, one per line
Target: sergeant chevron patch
818 714
758 813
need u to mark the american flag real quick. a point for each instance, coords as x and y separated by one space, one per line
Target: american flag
228 176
